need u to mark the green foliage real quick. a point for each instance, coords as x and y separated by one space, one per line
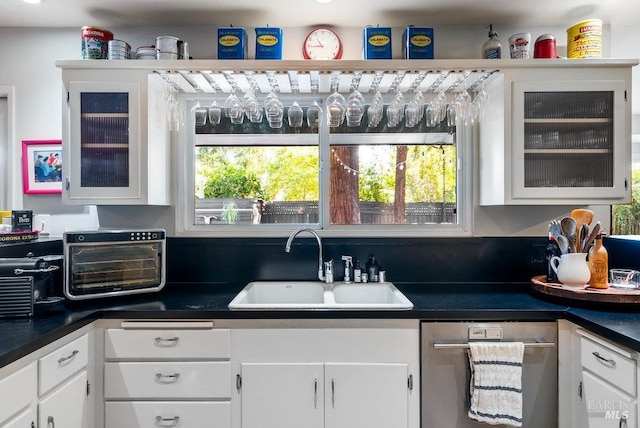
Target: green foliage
228 181
229 213
625 219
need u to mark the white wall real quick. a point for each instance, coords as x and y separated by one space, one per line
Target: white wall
28 57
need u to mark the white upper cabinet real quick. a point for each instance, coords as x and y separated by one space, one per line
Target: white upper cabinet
116 148
557 137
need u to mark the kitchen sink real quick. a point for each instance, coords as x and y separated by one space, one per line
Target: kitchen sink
374 295
316 295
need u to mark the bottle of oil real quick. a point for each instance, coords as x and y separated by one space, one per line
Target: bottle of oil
492 48
599 264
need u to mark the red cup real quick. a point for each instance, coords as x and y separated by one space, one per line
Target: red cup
545 47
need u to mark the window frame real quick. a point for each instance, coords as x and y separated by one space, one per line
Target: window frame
185 201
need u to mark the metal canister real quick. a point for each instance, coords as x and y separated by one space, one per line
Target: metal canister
95 42
377 43
268 43
584 40
545 47
167 47
118 49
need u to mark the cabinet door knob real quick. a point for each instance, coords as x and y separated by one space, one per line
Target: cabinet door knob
167 422
50 422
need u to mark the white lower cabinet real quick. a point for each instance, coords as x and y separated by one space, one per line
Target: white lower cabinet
17 396
598 381
167 414
167 374
24 419
331 377
606 406
315 395
66 407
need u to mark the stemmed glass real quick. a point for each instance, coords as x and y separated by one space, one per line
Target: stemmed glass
395 110
215 112
314 112
375 110
295 115
355 102
252 108
414 111
274 110
233 109
336 109
200 114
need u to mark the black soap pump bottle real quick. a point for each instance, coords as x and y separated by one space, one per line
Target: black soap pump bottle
372 269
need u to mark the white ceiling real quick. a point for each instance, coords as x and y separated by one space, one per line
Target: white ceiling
301 13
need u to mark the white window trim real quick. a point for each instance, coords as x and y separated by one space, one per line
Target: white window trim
185 202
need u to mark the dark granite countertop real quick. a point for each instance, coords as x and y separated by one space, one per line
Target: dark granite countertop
463 302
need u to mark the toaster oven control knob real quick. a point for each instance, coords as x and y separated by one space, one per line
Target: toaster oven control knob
80 238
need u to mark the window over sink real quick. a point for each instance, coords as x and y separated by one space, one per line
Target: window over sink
267 174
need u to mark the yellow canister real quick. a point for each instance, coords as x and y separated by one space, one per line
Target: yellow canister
584 40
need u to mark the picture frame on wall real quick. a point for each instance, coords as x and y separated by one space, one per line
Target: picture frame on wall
42 166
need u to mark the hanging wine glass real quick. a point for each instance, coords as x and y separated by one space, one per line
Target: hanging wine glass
375 110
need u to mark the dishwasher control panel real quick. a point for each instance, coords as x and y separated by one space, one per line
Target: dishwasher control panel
480 333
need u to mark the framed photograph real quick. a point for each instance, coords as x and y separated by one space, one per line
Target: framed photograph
42 166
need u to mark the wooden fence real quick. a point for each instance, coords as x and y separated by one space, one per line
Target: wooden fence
211 211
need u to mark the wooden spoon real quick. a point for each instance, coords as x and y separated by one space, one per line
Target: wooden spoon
581 216
591 238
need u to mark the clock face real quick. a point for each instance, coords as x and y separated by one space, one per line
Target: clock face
322 43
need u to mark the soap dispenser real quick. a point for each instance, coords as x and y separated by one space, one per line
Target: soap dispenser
492 48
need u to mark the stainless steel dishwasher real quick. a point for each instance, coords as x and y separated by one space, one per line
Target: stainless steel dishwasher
446 374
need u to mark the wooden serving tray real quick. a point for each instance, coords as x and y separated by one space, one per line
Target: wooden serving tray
608 295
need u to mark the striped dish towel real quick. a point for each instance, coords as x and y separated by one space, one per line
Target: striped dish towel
496 382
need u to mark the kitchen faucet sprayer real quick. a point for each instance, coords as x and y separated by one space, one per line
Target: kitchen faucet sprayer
287 248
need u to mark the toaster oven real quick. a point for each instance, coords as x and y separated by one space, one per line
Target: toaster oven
108 263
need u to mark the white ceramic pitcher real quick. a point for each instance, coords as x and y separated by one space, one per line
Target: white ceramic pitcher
572 269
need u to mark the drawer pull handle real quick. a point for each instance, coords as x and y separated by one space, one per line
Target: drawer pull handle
50 422
65 360
315 394
171 341
333 393
604 360
167 422
163 378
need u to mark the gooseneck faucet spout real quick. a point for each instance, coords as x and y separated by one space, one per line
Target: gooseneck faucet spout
287 248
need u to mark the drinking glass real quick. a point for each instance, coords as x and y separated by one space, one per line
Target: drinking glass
375 110
274 110
252 108
233 109
215 112
336 109
395 110
355 108
200 114
313 115
295 115
413 111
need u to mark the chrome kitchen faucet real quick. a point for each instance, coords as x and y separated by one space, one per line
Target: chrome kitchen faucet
287 248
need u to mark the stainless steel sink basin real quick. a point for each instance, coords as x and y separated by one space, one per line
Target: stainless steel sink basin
316 295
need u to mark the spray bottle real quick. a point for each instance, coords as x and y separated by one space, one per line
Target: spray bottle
492 48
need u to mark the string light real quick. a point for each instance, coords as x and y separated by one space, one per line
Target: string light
344 165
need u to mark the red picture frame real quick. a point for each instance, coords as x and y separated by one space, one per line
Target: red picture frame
41 167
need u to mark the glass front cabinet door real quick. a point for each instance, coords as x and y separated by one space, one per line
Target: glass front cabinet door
569 140
104 142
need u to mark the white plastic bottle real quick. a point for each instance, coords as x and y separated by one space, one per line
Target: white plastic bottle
492 48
